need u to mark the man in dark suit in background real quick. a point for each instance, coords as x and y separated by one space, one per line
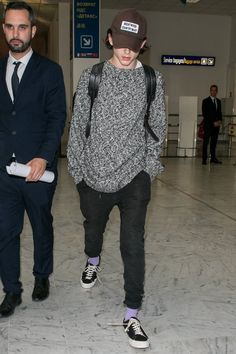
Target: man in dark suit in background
211 111
32 118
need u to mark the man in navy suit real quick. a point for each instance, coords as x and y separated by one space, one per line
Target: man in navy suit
211 111
32 118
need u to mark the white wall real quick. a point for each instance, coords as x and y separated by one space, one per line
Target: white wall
189 34
53 39
232 64
233 40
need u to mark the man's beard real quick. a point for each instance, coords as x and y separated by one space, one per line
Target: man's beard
19 48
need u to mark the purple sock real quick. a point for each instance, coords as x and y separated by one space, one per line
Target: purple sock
130 313
94 260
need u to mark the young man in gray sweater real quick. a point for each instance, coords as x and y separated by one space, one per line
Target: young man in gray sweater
117 162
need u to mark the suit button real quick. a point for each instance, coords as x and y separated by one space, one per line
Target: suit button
13 113
13 132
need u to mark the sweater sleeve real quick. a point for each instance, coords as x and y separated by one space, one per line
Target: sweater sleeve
158 123
80 117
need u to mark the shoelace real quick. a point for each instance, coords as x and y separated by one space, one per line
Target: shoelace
90 269
135 325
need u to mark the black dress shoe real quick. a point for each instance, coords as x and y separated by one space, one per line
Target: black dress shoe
7 307
41 289
216 161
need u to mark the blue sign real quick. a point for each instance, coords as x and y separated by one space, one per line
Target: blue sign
86 29
187 60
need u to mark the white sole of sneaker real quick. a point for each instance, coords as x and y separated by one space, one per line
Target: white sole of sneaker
87 286
138 345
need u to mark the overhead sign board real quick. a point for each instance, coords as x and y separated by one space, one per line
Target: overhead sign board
86 29
187 60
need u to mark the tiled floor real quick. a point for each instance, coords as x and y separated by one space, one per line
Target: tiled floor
190 302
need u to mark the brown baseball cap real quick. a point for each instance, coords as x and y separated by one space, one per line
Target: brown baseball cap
129 29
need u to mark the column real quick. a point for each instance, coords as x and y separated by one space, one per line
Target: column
187 126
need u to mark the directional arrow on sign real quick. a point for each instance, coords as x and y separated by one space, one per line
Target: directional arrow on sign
86 41
210 61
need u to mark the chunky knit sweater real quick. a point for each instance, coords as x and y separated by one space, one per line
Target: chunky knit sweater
118 147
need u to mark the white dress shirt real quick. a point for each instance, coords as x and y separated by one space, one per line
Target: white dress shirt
214 100
10 68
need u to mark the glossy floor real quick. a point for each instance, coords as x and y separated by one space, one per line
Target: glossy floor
190 302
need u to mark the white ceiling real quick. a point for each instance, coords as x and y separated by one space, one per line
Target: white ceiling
213 7
45 9
219 7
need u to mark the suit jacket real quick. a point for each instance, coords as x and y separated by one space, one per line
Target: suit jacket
210 114
32 126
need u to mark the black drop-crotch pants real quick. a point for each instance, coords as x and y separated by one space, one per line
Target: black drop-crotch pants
132 201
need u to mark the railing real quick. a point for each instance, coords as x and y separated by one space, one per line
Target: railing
226 145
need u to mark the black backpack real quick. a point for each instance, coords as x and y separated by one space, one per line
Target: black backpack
94 81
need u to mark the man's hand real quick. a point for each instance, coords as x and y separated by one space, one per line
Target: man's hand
38 166
217 123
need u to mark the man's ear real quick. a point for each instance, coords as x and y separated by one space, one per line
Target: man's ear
34 29
110 39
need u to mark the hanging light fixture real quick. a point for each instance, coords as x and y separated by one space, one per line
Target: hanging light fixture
189 1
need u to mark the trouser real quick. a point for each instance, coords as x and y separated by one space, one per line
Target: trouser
132 201
16 197
210 134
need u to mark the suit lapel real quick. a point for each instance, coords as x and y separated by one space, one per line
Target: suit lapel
28 74
3 78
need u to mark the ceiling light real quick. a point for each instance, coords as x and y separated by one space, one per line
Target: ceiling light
189 1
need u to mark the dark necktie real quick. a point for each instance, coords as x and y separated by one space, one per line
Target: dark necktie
15 79
214 101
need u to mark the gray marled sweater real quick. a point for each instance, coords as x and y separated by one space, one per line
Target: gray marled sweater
118 147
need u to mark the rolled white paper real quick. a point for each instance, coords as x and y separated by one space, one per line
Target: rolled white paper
18 169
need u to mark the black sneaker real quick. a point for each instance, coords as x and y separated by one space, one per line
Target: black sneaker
137 336
215 160
89 276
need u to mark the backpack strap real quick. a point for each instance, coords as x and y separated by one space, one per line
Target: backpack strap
150 77
94 81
